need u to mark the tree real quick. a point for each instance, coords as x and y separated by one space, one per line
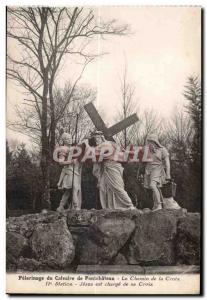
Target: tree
183 137
22 180
178 132
44 36
74 111
8 154
192 94
179 136
128 106
149 123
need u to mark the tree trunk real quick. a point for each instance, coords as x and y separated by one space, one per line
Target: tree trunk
45 154
52 120
45 204
45 173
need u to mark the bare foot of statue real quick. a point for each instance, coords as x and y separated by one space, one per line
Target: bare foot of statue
157 207
60 209
77 208
128 208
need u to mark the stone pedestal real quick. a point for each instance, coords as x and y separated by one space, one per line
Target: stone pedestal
121 240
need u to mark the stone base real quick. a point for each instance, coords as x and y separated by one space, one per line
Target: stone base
128 241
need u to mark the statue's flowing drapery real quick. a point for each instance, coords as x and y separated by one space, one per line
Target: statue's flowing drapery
111 185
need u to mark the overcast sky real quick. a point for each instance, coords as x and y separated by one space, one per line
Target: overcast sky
162 51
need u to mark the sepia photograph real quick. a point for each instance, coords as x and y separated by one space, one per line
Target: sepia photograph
103 150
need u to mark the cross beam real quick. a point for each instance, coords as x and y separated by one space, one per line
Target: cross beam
100 125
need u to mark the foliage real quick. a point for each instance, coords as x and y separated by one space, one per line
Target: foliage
24 184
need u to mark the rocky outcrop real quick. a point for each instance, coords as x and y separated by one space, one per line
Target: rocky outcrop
187 245
47 238
104 239
52 244
63 241
16 246
153 239
30 264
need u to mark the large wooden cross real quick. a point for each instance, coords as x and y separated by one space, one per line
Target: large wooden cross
100 125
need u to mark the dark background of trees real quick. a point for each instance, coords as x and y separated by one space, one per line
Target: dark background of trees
24 177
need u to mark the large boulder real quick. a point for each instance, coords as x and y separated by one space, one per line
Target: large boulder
16 246
25 224
187 245
152 241
105 238
52 244
30 264
120 259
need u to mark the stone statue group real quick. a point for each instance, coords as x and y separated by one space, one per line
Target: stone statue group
109 174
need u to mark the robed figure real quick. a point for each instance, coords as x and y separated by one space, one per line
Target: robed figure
110 177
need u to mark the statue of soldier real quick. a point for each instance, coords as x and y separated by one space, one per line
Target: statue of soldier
70 177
